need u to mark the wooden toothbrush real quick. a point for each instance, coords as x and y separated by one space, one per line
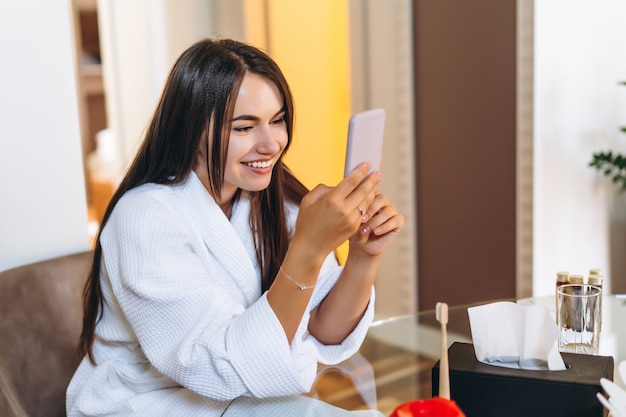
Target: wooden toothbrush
441 311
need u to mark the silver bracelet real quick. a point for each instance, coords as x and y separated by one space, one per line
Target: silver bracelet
302 287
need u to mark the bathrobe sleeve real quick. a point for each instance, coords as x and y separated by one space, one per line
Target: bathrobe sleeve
188 316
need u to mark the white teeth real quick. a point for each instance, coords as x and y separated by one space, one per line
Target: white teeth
263 164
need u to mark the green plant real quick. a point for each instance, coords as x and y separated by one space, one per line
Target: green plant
612 164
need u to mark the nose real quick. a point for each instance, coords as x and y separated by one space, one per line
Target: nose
267 141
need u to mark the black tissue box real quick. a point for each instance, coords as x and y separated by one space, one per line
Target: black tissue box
483 390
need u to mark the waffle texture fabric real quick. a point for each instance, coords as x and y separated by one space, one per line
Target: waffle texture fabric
185 328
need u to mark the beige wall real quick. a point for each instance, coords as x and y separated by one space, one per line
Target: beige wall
381 47
43 209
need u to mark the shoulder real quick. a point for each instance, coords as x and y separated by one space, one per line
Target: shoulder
146 196
146 209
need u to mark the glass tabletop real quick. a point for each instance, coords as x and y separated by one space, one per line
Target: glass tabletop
395 362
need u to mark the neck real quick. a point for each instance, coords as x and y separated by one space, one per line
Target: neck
227 208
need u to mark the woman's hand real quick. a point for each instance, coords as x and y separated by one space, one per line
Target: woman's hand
330 215
379 227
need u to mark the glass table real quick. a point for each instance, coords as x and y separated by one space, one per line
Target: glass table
395 361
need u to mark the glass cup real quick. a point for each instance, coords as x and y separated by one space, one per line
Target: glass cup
578 318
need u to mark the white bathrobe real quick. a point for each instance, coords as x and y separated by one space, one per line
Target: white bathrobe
185 328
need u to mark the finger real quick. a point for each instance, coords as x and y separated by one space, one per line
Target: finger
362 212
315 195
379 202
380 211
353 180
387 220
365 193
373 203
366 213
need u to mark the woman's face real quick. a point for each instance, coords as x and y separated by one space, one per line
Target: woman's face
257 137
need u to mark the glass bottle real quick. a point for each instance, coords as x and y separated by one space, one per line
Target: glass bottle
595 279
562 277
576 279
575 290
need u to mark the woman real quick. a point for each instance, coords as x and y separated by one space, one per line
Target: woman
213 274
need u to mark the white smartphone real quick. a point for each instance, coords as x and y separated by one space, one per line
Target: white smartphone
365 139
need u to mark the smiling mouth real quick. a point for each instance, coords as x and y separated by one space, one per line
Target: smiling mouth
260 164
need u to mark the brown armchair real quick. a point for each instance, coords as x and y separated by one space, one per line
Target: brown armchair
40 322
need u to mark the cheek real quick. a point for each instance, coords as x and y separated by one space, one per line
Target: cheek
232 158
283 138
236 148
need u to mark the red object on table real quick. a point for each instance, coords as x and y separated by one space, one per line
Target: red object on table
435 407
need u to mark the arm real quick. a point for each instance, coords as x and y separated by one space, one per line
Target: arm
339 313
342 309
327 217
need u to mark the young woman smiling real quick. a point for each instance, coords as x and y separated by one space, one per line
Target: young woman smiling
213 274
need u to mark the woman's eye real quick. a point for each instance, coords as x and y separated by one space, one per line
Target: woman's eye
242 129
278 121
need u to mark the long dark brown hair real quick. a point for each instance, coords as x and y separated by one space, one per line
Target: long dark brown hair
201 87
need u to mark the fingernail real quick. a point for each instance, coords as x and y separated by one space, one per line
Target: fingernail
365 229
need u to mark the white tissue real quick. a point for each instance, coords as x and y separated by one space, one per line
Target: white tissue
515 336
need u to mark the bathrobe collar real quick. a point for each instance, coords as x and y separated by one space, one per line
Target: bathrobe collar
228 241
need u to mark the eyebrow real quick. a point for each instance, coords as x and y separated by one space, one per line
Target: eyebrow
255 118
